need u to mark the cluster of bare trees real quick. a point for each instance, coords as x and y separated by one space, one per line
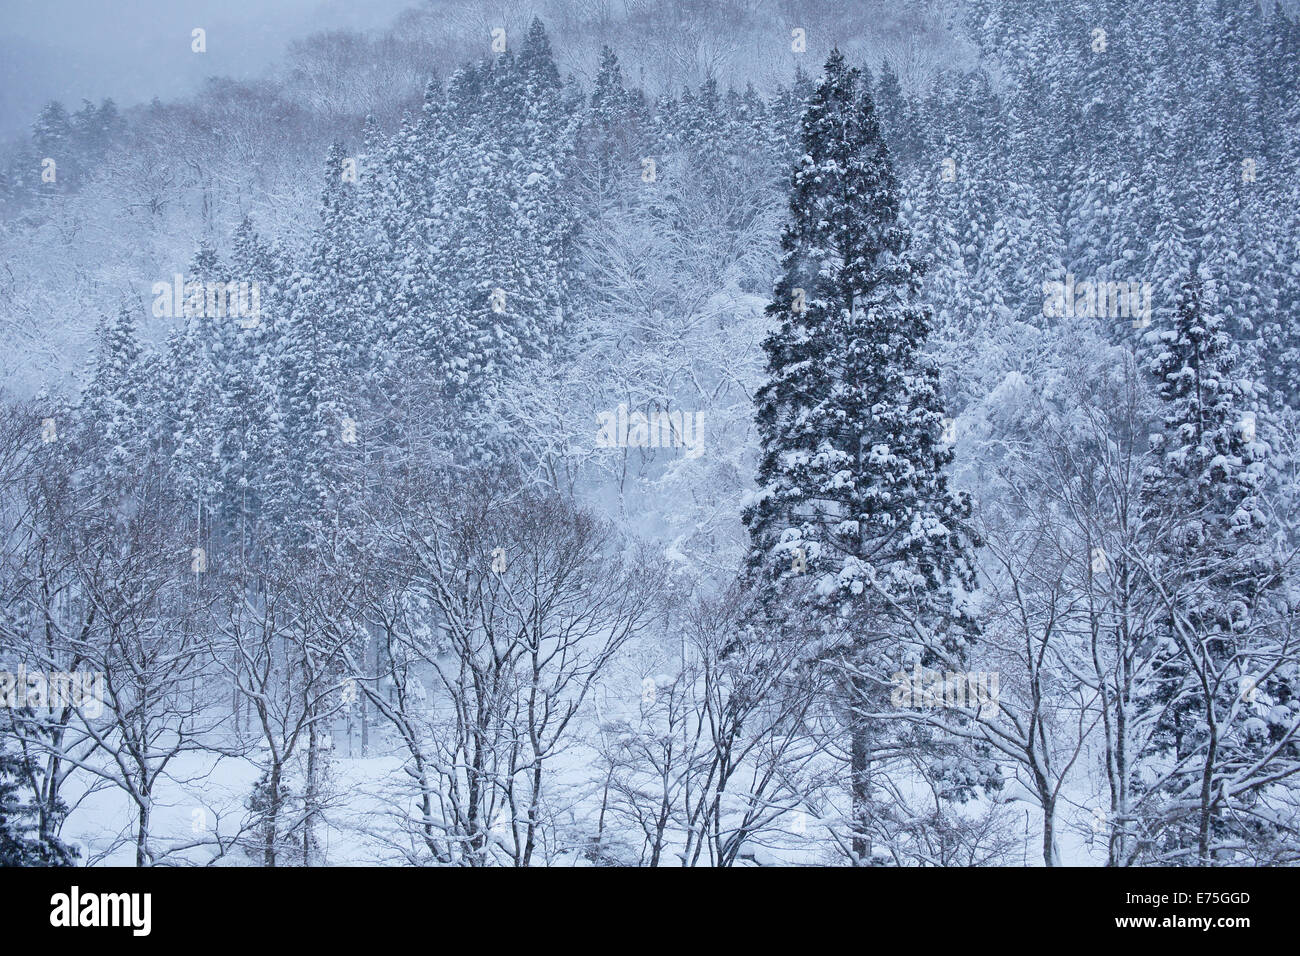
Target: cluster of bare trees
1129 720
491 638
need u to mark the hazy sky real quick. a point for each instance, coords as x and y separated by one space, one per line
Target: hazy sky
133 50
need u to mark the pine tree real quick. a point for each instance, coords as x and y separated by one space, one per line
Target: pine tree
417 207
1208 456
316 368
112 409
549 224
21 843
858 542
1202 496
786 114
897 119
614 137
52 137
189 395
247 387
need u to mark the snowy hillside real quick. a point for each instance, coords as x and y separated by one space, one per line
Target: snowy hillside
664 434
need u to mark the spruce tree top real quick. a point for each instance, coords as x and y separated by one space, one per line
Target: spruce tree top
851 424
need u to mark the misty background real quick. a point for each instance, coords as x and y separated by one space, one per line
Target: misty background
134 50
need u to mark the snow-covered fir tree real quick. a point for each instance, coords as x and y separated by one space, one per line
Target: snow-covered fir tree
859 543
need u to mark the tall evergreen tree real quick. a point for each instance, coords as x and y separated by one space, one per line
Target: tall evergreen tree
614 136
247 388
189 393
1208 456
858 542
113 401
1202 497
317 418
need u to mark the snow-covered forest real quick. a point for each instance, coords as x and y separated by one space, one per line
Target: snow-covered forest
664 433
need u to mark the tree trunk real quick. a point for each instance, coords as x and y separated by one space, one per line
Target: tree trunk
309 795
860 772
1050 856
142 835
272 819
